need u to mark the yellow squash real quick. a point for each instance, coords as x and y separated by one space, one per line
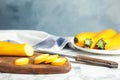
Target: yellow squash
109 44
51 58
79 38
21 61
41 58
104 34
59 62
13 49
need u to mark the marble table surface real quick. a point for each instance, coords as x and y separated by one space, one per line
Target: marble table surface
78 71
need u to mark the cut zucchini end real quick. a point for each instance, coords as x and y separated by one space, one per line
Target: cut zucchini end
88 43
29 50
101 44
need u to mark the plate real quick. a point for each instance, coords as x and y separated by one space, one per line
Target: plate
95 51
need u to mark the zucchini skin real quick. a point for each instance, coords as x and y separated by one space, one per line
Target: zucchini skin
113 43
80 38
14 49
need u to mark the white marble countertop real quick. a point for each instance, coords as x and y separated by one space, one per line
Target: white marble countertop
78 71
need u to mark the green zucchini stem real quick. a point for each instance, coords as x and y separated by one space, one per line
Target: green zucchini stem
88 43
101 44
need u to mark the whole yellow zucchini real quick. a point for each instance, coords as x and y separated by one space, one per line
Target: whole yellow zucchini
79 38
109 44
13 49
104 34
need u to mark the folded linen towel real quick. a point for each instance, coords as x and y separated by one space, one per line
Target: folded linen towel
52 43
38 39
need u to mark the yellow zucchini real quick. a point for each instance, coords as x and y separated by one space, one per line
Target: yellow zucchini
79 38
59 62
110 44
104 34
21 61
13 49
41 58
51 58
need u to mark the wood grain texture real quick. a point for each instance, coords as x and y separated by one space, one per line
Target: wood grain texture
7 66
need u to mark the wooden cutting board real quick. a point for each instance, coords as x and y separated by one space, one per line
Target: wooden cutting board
7 66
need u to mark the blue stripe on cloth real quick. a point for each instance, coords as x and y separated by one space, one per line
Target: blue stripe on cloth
60 41
12 41
48 43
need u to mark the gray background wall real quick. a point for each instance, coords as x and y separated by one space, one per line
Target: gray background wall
60 17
